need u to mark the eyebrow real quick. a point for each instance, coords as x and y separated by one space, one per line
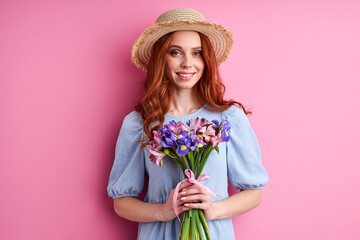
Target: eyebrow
177 46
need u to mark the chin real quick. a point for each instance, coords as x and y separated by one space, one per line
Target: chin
184 86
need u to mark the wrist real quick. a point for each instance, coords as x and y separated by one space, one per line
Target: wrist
160 212
215 211
164 213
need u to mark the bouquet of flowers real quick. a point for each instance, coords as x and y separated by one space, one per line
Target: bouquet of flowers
190 145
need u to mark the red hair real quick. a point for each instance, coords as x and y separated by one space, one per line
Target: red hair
158 90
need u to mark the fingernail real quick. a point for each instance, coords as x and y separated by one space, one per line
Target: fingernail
186 204
183 198
183 193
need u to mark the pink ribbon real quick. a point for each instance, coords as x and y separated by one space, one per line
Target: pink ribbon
191 179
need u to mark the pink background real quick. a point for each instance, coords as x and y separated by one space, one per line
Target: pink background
67 82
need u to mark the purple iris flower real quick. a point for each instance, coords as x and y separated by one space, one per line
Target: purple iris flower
224 124
173 137
192 135
192 146
216 122
197 144
185 144
168 142
172 122
182 137
225 133
182 150
165 131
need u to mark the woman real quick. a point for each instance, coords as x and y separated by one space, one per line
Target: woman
181 54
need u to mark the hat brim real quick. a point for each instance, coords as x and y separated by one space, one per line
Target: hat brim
219 36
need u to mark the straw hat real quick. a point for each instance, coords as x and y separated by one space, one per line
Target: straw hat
181 19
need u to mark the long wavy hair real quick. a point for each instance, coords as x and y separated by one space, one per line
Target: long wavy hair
156 100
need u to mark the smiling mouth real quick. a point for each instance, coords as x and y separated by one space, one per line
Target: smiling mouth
185 75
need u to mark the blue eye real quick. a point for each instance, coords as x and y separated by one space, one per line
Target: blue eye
198 53
175 53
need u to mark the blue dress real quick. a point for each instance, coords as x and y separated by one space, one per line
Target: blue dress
239 159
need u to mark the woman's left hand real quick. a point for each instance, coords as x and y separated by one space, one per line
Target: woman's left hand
192 196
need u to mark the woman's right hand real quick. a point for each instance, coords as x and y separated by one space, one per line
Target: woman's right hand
168 212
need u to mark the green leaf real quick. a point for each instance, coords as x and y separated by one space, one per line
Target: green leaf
190 157
197 162
186 162
217 149
209 149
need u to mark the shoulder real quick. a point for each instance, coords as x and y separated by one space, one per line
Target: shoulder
132 122
133 116
234 113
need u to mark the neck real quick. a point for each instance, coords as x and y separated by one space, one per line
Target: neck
184 103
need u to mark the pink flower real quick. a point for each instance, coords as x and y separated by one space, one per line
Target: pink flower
157 158
176 129
207 132
216 139
192 126
156 155
157 136
198 137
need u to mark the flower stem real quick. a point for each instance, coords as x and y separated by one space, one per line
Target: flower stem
193 224
182 227
199 227
204 224
185 230
186 162
178 159
190 157
209 149
197 161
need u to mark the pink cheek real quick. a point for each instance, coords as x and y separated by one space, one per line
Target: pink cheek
171 65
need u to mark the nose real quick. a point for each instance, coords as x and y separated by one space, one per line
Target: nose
186 63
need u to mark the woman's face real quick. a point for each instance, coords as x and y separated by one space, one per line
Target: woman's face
184 64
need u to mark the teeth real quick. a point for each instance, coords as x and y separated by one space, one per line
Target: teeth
185 75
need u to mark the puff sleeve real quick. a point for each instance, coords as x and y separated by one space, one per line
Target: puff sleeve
243 153
128 170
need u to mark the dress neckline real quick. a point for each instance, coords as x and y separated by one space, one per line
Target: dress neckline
189 116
